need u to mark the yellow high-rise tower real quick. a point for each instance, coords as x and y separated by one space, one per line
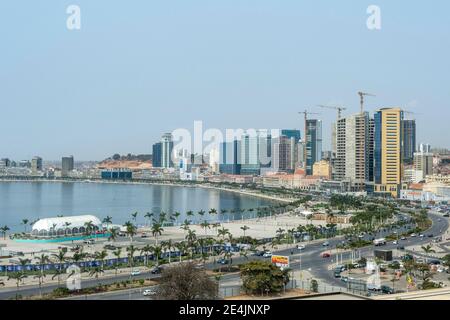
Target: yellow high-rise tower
387 151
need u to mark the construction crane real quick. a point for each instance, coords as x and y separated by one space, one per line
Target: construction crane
305 113
361 95
410 112
339 109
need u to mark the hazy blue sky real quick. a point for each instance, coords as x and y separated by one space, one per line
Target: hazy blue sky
139 68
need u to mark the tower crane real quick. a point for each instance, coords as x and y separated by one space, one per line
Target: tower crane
410 112
339 109
362 95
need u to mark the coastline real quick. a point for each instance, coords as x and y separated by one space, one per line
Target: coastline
244 192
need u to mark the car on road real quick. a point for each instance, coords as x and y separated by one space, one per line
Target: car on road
222 261
403 238
446 215
401 248
135 272
110 247
259 253
149 292
301 247
144 235
326 244
387 290
156 270
430 235
267 254
413 235
395 242
434 262
326 255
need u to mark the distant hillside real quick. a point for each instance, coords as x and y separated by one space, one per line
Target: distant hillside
130 157
129 161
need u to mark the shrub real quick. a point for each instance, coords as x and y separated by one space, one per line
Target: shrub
263 277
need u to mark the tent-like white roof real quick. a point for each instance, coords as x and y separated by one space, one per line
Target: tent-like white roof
60 222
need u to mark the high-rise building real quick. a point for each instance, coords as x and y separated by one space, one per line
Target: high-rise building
387 151
229 157
313 143
5 163
291 133
156 155
423 160
36 164
24 164
282 154
256 152
214 157
408 141
353 150
67 165
294 136
166 150
425 148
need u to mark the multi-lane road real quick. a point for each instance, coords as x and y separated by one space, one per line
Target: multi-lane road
309 259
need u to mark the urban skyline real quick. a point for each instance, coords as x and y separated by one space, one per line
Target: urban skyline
189 68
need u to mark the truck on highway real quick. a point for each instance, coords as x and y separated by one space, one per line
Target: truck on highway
379 242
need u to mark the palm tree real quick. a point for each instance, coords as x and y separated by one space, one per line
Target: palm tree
101 256
162 218
201 213
25 223
189 213
149 216
117 254
280 233
131 250
223 212
130 230
89 226
205 225
428 249
216 226
181 246
176 215
168 245
134 216
4 230
95 272
185 226
79 256
244 228
18 277
107 221
191 238
60 257
157 250
113 234
157 230
212 211
40 277
42 260
223 232
251 210
146 251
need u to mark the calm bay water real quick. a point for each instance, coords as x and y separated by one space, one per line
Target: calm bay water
34 200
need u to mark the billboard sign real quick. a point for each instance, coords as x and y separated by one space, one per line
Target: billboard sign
281 261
